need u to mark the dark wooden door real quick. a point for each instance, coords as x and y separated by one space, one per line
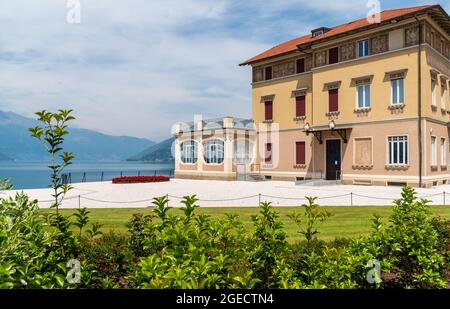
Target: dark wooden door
333 159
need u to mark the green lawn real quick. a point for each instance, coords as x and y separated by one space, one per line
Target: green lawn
346 221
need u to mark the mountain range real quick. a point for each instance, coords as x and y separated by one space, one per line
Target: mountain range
87 145
161 152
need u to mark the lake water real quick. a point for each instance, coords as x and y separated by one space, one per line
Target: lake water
33 175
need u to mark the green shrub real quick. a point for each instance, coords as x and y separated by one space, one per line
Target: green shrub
31 254
409 245
197 252
110 256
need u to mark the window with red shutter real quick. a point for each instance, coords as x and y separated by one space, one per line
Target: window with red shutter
300 65
300 153
268 73
333 55
268 157
300 106
333 104
268 106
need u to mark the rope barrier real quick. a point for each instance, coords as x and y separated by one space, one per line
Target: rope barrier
376 198
224 200
64 199
116 202
327 197
283 198
244 198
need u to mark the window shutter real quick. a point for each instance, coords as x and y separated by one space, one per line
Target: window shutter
333 105
268 105
300 106
268 73
333 55
268 158
300 65
300 153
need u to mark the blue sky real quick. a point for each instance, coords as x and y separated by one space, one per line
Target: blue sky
136 67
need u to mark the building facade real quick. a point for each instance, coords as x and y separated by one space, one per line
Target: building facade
366 102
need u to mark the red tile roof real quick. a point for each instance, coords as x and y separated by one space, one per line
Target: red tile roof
291 45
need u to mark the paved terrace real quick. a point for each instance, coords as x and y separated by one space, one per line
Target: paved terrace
228 194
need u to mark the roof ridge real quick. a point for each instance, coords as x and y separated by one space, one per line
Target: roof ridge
279 50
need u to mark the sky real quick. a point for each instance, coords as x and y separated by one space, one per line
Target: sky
136 67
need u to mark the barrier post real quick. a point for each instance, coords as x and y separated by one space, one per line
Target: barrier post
259 199
79 201
351 198
167 198
443 193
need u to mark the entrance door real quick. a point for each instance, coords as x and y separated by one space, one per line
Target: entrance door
333 159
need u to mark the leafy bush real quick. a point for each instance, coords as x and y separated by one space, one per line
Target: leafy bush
111 258
409 246
139 235
197 252
31 254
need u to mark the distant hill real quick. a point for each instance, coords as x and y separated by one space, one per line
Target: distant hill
4 158
161 152
87 145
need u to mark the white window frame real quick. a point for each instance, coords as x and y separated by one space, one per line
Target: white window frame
398 92
433 92
443 150
214 151
433 152
394 142
366 51
365 105
443 96
188 152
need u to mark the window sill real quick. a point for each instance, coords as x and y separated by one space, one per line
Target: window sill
362 110
268 121
396 106
298 166
300 118
443 110
267 166
397 166
362 166
443 167
434 167
328 114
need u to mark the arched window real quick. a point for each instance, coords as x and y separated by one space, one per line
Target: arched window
189 152
214 151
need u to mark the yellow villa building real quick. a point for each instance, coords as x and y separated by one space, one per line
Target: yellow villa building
366 102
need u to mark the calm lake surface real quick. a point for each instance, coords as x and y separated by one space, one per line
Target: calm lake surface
33 175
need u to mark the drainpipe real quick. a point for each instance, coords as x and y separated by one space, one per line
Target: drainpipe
419 101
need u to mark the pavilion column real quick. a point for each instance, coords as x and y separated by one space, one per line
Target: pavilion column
228 145
177 151
200 149
177 154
